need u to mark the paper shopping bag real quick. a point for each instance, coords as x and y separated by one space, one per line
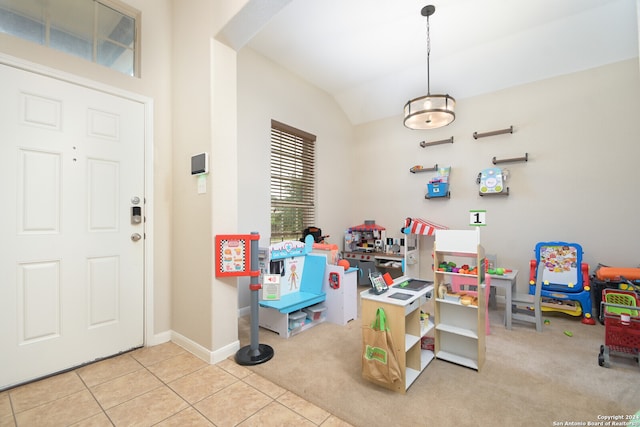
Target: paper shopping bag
379 359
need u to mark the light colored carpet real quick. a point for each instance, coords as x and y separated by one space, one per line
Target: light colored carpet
529 378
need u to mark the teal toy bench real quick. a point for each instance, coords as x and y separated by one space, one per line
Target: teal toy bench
274 315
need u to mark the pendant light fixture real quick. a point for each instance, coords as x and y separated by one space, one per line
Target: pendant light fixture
429 111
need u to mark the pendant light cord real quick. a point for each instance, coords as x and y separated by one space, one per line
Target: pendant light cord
428 55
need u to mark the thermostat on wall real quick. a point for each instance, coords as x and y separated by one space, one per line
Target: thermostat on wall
200 164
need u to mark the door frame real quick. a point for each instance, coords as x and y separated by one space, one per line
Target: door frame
149 337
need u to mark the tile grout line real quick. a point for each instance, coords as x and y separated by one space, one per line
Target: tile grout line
94 398
170 388
13 411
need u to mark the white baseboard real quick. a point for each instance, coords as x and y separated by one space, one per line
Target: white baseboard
244 311
160 338
203 353
224 352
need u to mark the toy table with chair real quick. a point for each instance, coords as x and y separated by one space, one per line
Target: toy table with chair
564 277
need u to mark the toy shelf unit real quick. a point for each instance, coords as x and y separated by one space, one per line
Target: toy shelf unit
459 320
404 322
300 304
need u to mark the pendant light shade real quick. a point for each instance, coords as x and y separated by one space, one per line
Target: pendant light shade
429 111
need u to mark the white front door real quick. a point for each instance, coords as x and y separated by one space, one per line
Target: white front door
71 267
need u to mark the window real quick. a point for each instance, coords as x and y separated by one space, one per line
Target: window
293 181
100 31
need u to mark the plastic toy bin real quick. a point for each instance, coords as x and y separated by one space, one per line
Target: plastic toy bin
296 319
315 312
437 189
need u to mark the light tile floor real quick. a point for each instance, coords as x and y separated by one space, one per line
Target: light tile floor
158 386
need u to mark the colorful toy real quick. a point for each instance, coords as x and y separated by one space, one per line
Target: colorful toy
617 273
564 277
421 227
344 264
492 180
499 271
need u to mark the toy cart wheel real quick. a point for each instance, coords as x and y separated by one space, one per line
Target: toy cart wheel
601 356
448 194
605 356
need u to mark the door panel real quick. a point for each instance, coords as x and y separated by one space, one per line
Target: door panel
71 277
38 301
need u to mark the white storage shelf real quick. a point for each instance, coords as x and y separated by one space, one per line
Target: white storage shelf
411 340
460 329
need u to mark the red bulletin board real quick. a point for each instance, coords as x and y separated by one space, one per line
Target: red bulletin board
233 254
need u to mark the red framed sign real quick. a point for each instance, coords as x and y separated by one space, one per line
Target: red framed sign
233 254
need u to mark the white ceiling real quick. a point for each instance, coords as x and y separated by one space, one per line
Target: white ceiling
370 55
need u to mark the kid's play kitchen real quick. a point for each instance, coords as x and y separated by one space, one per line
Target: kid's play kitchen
367 248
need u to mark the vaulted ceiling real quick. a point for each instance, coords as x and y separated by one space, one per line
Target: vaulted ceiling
370 55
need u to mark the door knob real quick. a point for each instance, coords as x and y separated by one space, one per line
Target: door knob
135 237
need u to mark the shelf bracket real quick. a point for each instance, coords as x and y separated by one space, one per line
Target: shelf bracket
525 158
477 135
502 193
446 196
417 169
424 144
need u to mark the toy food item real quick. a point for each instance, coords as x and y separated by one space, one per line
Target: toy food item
466 300
344 264
442 290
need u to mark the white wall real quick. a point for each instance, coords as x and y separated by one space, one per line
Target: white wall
579 185
266 91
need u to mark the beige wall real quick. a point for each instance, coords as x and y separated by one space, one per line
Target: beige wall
204 308
267 91
579 185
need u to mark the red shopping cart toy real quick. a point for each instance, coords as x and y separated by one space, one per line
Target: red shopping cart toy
621 325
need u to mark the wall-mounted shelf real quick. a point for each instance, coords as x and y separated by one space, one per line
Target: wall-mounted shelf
492 182
445 196
418 169
525 158
424 144
504 192
477 135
